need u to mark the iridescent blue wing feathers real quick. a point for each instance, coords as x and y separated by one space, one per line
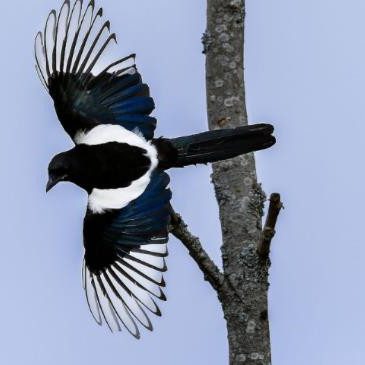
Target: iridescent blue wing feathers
71 63
125 254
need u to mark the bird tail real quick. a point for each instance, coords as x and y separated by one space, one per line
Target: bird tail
214 146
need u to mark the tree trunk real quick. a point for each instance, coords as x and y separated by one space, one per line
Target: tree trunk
242 286
240 198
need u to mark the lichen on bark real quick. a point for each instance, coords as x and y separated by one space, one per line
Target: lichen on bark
240 197
243 285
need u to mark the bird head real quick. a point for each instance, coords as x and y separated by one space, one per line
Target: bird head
72 166
59 169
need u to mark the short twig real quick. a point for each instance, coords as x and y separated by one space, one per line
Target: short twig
269 229
210 270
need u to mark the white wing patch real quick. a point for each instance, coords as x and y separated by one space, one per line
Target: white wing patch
74 40
122 294
104 199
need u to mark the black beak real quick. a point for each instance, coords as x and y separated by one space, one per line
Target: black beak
53 181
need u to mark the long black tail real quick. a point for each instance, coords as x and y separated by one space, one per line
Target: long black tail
214 145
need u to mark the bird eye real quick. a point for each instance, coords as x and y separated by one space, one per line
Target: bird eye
58 171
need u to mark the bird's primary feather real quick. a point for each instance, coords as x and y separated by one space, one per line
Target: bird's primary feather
87 91
124 258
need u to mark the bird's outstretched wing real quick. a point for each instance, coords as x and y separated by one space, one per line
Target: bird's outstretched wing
86 88
124 258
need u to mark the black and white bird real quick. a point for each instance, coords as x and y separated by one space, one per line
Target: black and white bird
106 111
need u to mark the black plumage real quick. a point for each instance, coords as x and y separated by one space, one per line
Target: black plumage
116 159
83 99
214 145
114 252
105 166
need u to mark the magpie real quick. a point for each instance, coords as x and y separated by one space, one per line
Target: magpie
106 110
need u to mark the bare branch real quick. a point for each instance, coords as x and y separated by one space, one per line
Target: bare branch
269 230
210 270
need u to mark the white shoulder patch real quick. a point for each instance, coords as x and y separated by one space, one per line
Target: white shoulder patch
104 199
105 133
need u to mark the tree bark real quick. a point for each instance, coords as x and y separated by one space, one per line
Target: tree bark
242 286
238 193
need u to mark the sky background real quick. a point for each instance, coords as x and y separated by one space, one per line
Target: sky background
305 74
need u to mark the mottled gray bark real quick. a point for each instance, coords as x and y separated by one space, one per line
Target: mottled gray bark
243 285
239 196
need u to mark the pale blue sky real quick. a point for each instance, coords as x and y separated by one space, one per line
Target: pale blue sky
305 73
